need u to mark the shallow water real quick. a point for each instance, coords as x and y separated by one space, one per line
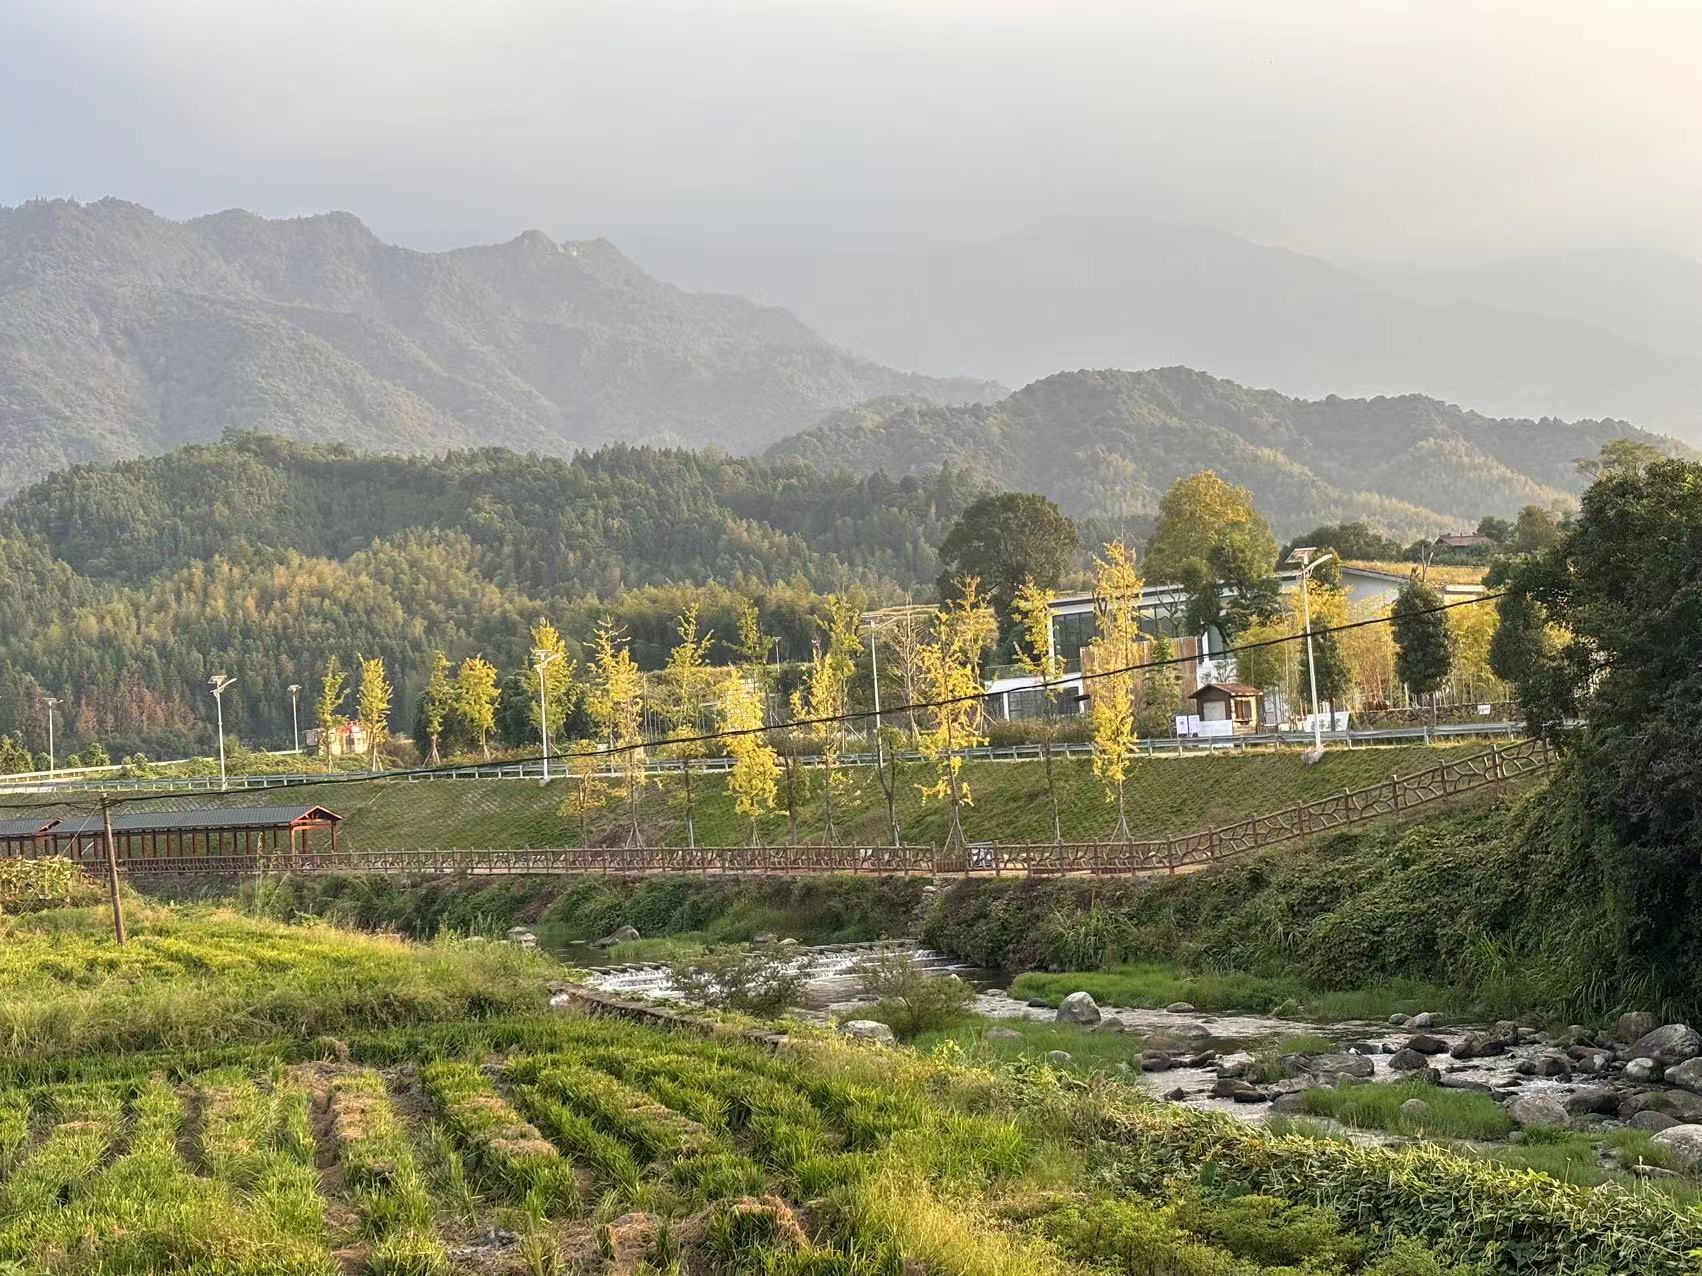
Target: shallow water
832 990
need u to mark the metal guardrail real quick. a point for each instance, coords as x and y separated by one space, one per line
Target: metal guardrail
1494 768
654 767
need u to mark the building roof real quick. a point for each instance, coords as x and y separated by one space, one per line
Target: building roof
26 828
1229 688
223 817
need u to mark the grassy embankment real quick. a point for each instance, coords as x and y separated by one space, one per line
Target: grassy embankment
1503 911
1165 796
249 1143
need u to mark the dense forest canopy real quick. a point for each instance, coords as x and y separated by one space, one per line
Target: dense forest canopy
122 588
1108 444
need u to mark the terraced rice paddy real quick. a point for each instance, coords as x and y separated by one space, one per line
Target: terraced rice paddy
481 1136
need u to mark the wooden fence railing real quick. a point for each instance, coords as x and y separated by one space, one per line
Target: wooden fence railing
1494 768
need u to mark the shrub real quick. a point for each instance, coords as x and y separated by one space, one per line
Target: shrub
753 981
908 998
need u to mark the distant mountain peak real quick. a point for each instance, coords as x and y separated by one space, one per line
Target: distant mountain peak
123 333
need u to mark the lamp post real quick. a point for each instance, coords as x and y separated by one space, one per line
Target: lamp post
295 715
52 703
218 682
543 659
1307 557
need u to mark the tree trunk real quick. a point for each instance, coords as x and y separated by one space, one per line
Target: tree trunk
830 836
433 758
691 826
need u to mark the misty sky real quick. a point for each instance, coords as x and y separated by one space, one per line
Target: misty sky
1356 129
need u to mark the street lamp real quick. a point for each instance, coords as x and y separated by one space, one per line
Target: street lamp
295 716
52 703
218 682
543 659
1306 557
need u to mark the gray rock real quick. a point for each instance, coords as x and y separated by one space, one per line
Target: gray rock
1188 1029
1156 1061
1110 1024
1179 1008
1164 1041
1234 1065
1238 1090
1591 1061
1464 1083
1425 1020
1415 1111
1060 1057
1671 1043
1684 1142
1470 1046
1289 1104
1424 1043
1654 1122
1687 1107
1399 1020
1078 1007
1003 1034
1407 1061
620 935
1530 1110
1591 1099
1176 1095
1643 1070
763 937
1633 1025
1687 1074
1330 1068
866 1030
1546 1063
1423 1076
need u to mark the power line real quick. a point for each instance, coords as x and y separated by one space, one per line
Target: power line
611 751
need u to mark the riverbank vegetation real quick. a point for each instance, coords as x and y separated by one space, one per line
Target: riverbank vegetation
491 1136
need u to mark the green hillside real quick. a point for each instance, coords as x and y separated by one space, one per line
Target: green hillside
123 587
1107 444
1166 796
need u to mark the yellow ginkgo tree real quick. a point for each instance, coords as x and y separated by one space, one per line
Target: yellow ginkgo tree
1110 667
950 669
616 705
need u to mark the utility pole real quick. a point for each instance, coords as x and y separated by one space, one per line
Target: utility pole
1303 555
875 680
52 703
543 659
295 716
112 870
218 682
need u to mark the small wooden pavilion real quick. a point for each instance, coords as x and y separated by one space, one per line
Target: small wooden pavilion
1233 702
229 830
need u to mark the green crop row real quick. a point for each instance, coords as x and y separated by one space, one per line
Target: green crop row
388 1190
512 1154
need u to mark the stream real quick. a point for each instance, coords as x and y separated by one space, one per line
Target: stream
831 992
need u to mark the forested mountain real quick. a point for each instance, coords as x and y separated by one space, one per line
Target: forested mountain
1129 293
122 588
125 334
1107 444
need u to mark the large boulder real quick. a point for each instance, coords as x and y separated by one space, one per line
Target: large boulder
1331 1068
1408 1060
1062 1058
1003 1034
1654 1122
1533 1110
1684 1142
1633 1025
1546 1063
1179 1008
1424 1020
1687 1074
620 935
1591 1099
1424 1043
1669 1044
866 1030
1415 1111
1078 1007
1234 1065
1643 1070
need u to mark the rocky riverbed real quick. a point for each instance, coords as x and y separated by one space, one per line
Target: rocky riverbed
1640 1073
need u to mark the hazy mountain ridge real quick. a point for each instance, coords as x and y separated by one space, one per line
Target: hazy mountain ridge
124 333
1107 444
1132 294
